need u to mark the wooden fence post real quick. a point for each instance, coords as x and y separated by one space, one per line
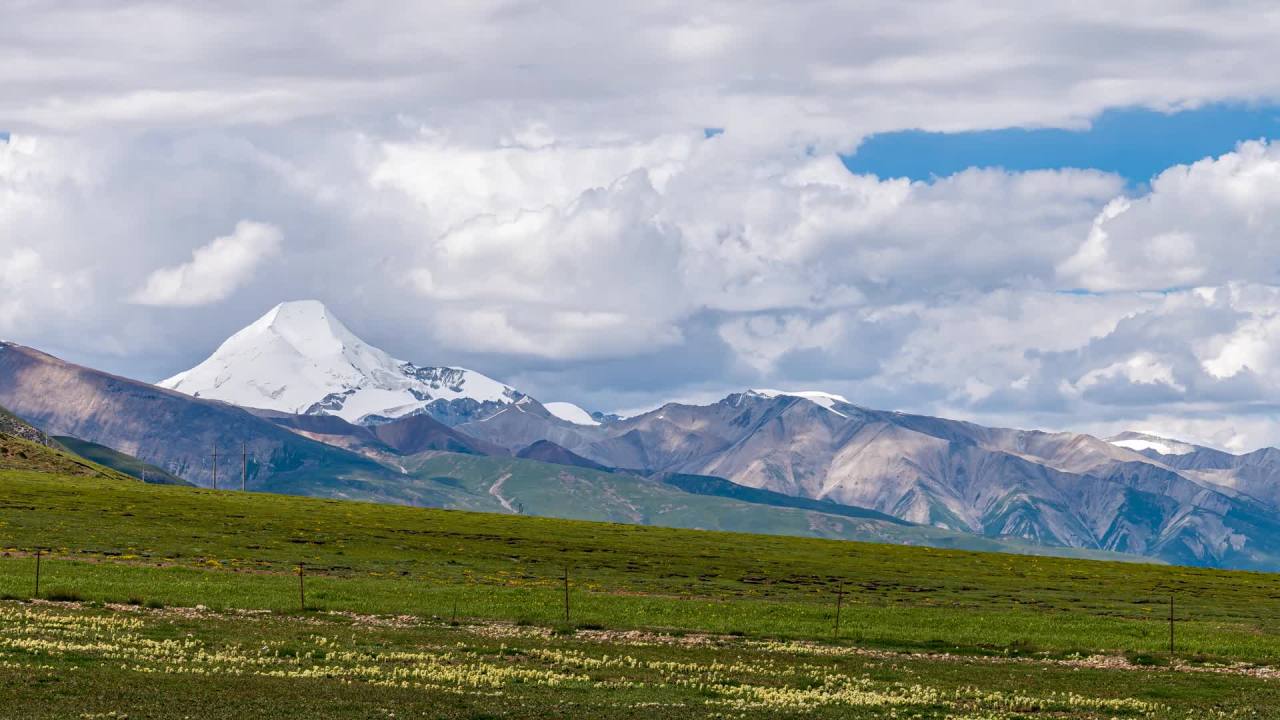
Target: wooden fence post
37 572
302 589
839 602
566 593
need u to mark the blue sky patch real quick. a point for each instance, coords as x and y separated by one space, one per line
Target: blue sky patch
1134 143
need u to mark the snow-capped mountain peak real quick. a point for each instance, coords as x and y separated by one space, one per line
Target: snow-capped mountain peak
299 358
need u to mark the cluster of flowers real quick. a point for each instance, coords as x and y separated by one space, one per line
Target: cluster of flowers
36 634
779 688
1056 702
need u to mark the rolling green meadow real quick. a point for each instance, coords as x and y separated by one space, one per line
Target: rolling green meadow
165 601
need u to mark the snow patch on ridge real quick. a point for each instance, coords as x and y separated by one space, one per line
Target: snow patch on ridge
1142 441
823 399
571 413
1145 445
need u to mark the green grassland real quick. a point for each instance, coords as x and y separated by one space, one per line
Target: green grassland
697 622
188 546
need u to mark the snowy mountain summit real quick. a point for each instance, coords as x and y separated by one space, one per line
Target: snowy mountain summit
299 358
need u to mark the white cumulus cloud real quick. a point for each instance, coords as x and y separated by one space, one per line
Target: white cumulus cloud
1211 222
214 271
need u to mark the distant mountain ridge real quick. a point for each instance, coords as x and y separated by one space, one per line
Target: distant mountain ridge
1205 507
323 455
549 452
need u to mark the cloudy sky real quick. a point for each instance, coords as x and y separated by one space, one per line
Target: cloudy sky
1061 218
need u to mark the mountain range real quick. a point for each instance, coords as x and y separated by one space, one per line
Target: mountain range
415 460
297 403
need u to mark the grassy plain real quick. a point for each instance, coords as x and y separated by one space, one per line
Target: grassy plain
697 622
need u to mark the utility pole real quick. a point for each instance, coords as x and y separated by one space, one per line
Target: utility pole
215 466
244 465
37 572
1171 626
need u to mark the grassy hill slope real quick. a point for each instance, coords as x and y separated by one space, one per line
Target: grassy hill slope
19 454
127 464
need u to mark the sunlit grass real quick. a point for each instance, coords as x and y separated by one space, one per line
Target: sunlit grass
116 541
